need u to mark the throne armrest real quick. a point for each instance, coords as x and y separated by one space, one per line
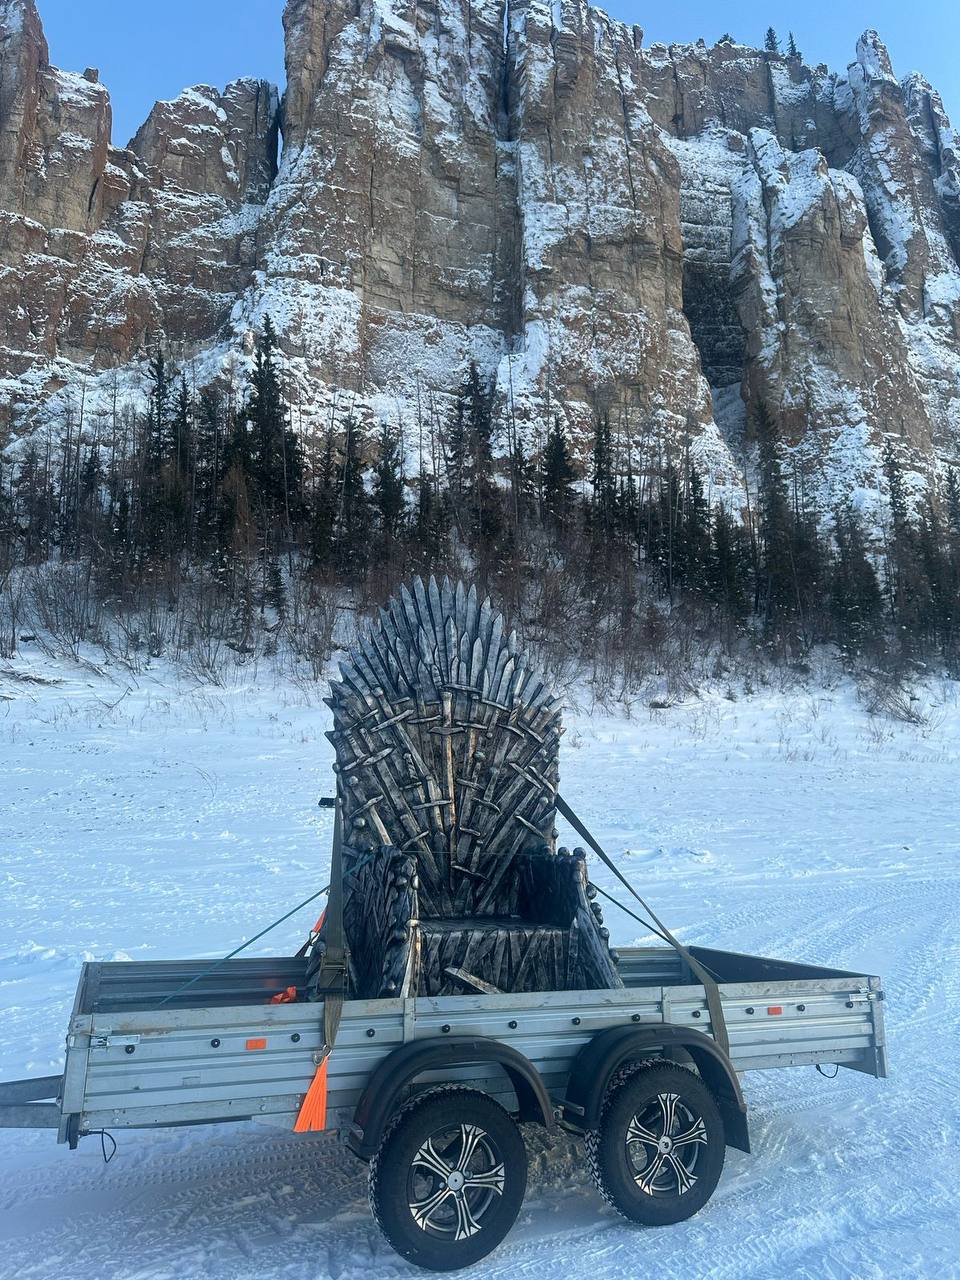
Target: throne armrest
380 908
553 887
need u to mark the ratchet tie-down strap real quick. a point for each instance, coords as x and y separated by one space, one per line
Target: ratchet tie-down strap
711 990
332 982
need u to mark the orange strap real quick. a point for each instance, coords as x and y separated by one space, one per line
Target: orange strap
285 997
313 1110
319 925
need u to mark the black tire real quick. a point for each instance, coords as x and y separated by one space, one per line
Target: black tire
658 1154
442 1138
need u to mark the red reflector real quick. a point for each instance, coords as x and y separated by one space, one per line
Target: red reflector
774 1009
256 1044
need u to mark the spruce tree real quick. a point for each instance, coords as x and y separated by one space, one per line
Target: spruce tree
388 490
89 509
897 494
934 558
432 522
325 505
118 545
276 464
792 49
809 561
629 515
523 484
182 441
727 569
160 498
208 469
693 536
468 447
908 560
238 447
663 535
35 502
236 561
456 446
856 601
772 41
160 414
901 555
175 472
483 496
275 591
776 588
558 477
604 501
351 534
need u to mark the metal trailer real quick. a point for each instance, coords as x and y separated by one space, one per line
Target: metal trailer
638 1072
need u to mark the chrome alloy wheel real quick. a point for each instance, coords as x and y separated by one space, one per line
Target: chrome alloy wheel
663 1143
454 1179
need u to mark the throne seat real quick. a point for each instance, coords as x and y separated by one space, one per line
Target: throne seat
505 952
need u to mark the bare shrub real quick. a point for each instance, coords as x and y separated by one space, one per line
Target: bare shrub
63 603
312 622
890 694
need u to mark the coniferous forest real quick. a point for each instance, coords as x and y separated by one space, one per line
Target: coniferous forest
203 528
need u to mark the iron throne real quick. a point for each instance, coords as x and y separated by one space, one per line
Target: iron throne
447 760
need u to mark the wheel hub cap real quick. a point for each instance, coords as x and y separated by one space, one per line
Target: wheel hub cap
663 1146
457 1176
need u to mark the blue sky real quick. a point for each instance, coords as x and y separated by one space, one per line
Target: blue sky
149 49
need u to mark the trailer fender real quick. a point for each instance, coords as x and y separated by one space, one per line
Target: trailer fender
388 1081
598 1061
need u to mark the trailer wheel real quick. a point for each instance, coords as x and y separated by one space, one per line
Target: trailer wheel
658 1154
448 1180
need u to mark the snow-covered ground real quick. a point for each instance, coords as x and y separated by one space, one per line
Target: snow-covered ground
150 818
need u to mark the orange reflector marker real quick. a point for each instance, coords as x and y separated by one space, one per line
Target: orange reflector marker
256 1044
775 1009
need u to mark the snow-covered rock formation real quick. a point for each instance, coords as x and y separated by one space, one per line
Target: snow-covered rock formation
663 236
101 248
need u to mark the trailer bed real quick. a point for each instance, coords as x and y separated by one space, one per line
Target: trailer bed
220 1051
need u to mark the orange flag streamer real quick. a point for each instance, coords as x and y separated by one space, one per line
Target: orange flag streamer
313 1111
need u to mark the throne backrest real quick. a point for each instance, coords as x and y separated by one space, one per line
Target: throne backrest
447 747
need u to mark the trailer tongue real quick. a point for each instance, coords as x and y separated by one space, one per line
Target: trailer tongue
31 1104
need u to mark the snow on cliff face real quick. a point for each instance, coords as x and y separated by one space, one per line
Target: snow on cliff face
605 229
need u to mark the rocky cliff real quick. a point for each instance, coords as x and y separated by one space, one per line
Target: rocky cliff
102 249
662 235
